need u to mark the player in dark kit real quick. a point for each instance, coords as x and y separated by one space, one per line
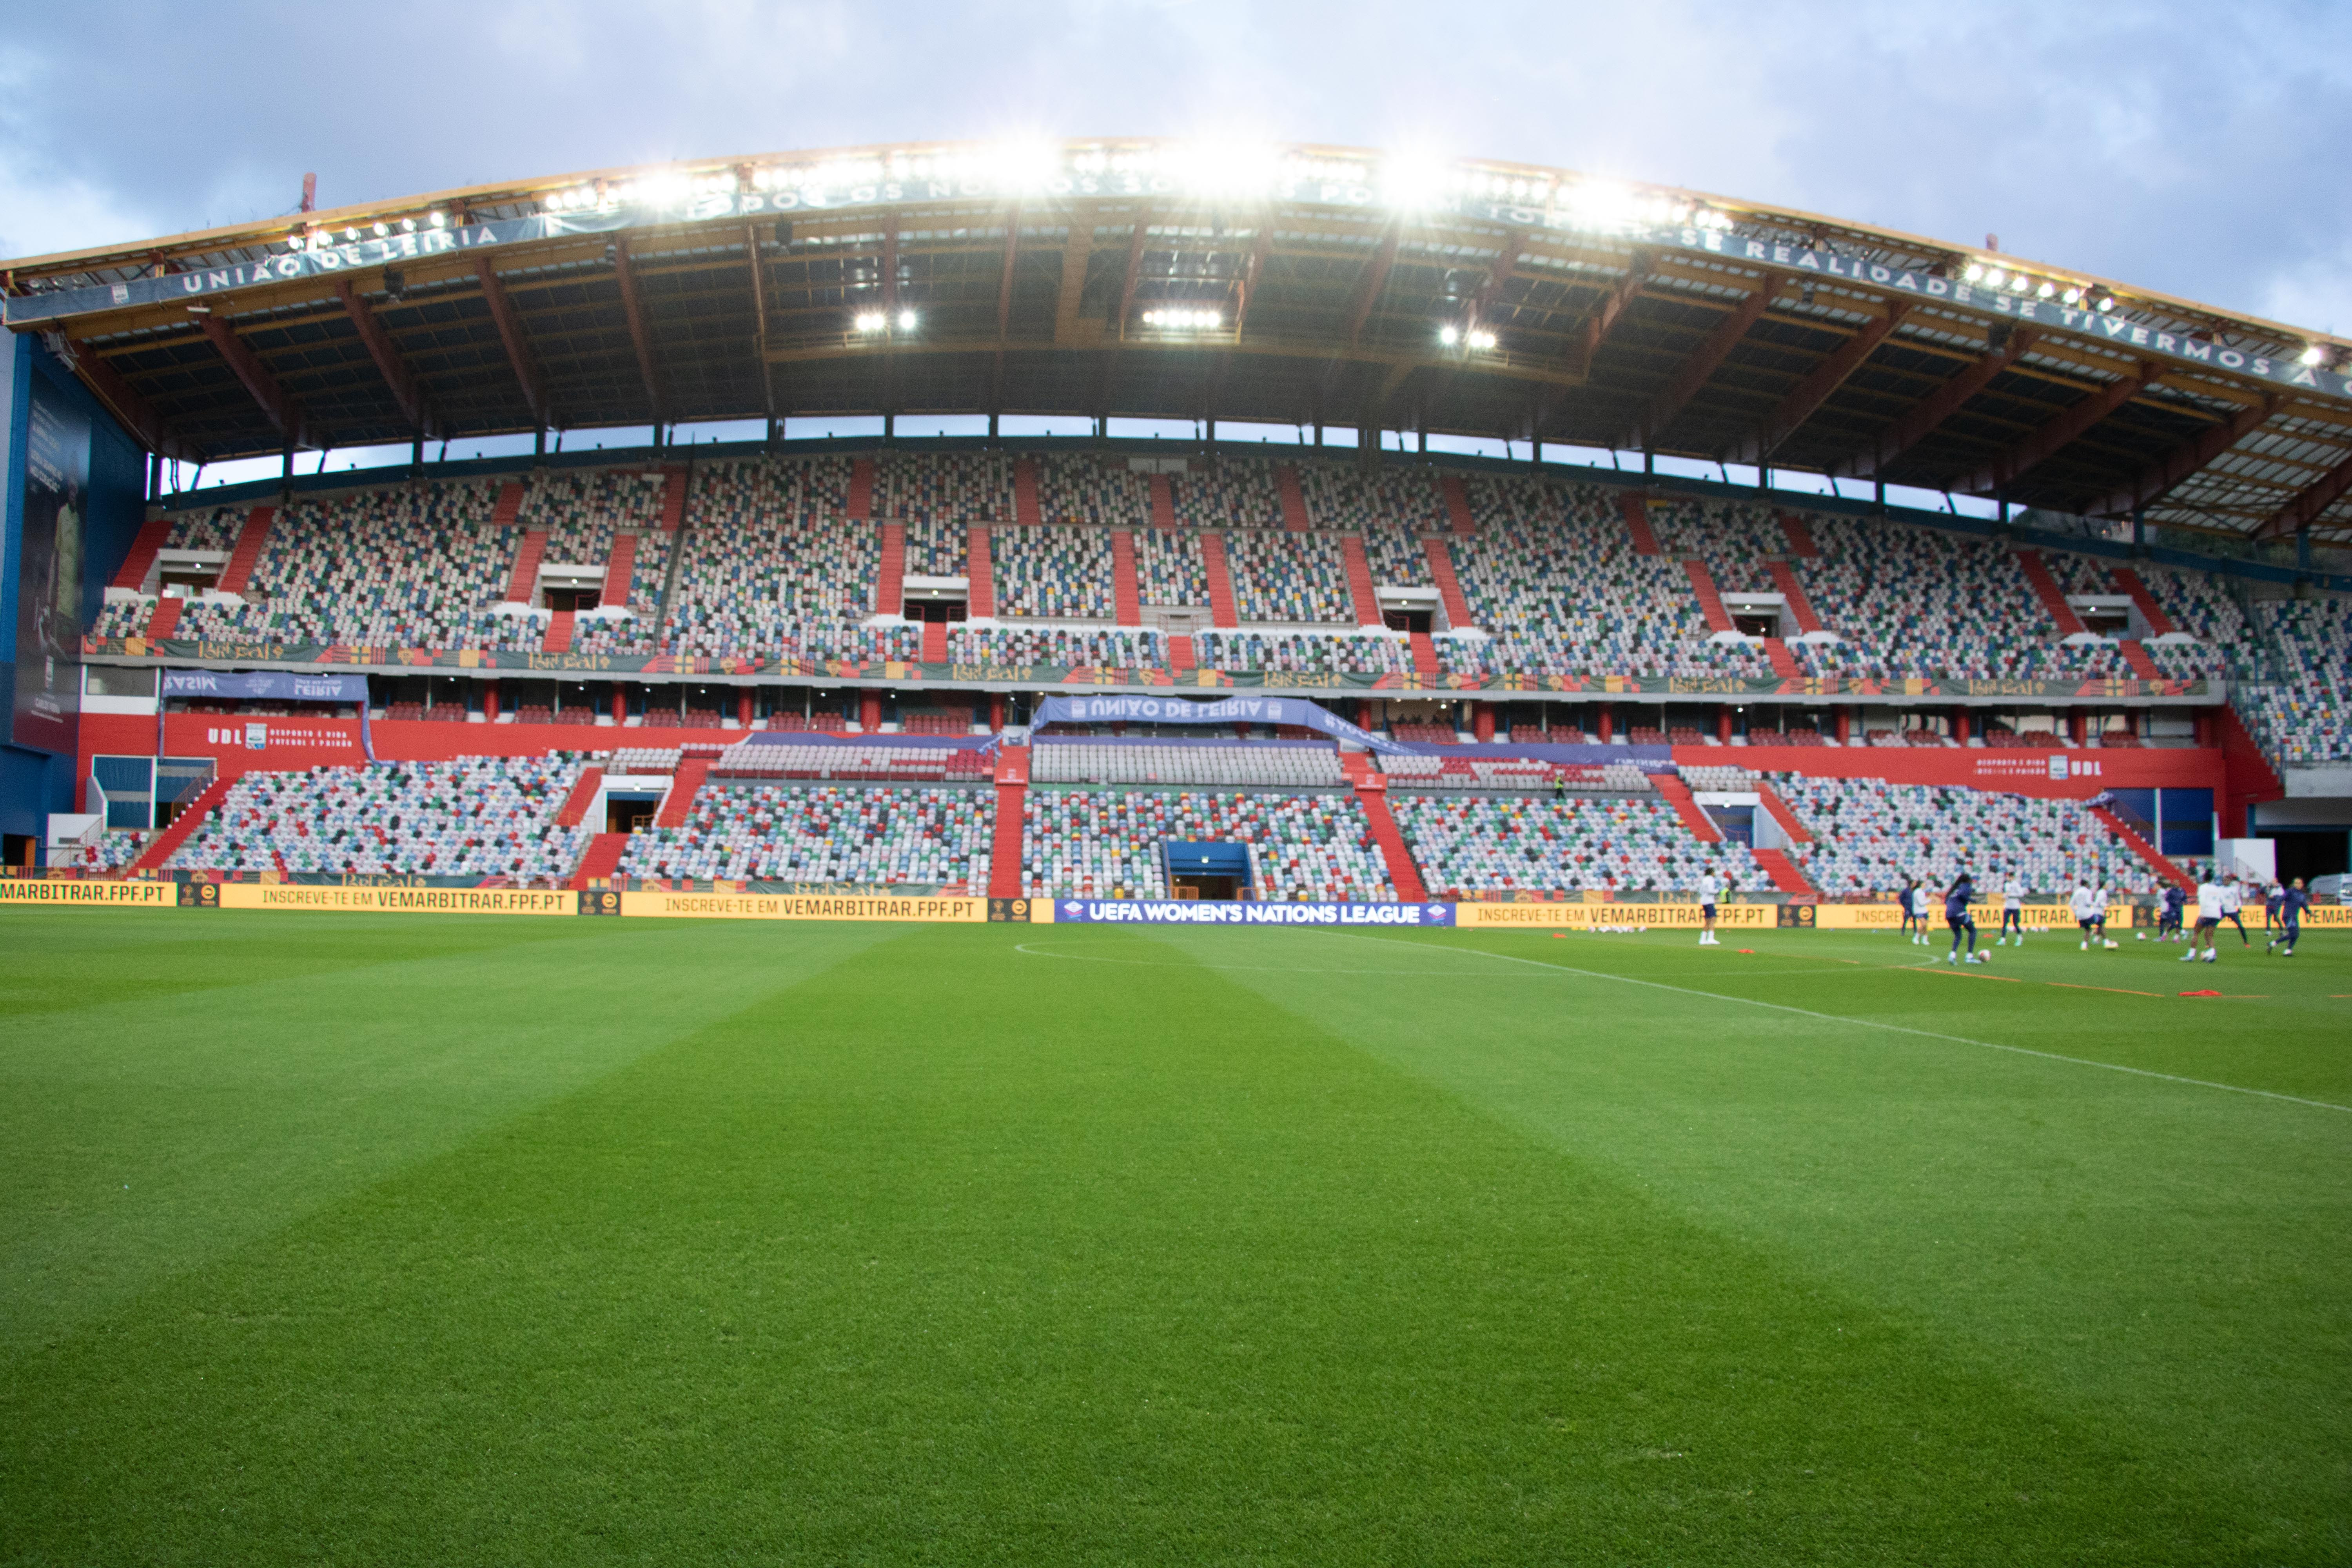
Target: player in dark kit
1957 917
2292 904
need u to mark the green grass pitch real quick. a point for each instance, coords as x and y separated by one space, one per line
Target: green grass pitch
387 1240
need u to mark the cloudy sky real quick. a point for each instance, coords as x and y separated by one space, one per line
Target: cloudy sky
2193 146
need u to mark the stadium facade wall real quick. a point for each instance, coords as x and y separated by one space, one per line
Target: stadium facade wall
39 779
240 745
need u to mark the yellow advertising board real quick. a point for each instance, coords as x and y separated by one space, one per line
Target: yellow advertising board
110 895
1582 916
396 901
800 907
1889 917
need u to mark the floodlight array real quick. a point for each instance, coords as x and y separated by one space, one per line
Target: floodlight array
1184 321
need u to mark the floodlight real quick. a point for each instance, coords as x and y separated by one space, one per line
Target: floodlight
381 229
1482 339
1413 180
1022 166
1603 202
1449 336
1995 278
438 220
1974 274
2046 290
2315 354
906 320
870 321
2073 296
2106 302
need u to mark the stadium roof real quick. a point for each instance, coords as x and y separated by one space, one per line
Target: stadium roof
1162 279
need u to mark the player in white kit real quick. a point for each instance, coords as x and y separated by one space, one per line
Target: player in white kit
2013 909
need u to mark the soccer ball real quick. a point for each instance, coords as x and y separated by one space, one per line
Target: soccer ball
2143 936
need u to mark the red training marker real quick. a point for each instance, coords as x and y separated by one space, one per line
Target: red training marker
2200 993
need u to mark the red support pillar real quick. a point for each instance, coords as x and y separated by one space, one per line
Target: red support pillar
489 702
1723 723
743 707
1482 720
1846 726
2078 727
996 712
1608 723
869 712
1960 725
2205 731
620 705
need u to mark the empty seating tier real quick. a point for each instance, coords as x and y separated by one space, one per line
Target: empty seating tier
1872 836
1079 761
474 816
1097 843
1480 844
822 833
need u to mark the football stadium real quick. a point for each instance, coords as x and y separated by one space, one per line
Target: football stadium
1163 851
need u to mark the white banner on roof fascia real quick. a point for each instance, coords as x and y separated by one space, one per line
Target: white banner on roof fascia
710 207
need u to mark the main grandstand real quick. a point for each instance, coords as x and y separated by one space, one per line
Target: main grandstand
2154 577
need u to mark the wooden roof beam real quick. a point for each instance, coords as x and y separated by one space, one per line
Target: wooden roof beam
1497 276
759 317
395 370
1127 279
2183 461
1931 411
1702 362
1809 393
1374 279
511 334
2046 439
283 410
2305 510
1586 343
1250 276
1077 250
129 405
1004 280
632 306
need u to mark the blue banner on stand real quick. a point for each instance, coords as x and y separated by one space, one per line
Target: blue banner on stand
1295 710
1188 912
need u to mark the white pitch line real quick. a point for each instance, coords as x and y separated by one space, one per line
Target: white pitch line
1874 1024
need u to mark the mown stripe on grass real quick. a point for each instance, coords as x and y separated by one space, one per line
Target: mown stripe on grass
1891 1028
143 1139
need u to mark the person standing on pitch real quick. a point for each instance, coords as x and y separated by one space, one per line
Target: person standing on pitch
2232 900
1956 916
2271 899
2291 903
2103 898
2013 909
1707 888
2167 925
2087 911
1915 899
2209 919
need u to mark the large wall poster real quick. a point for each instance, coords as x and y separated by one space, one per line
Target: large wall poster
48 580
